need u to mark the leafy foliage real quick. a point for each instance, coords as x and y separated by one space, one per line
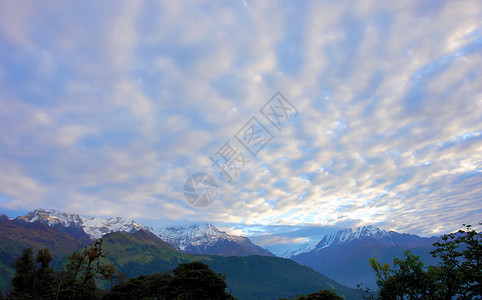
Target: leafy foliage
461 269
320 295
195 280
192 280
84 267
458 276
77 281
143 287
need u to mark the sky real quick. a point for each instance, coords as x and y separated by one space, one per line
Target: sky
107 108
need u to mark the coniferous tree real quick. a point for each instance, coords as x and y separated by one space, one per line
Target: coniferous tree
22 281
45 279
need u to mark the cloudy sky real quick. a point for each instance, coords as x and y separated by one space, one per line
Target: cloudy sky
107 108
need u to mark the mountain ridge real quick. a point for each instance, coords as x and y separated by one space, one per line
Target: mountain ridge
208 239
197 239
344 256
248 277
95 227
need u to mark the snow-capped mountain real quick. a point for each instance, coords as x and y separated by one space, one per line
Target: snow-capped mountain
207 239
348 235
343 256
94 227
303 248
342 236
197 239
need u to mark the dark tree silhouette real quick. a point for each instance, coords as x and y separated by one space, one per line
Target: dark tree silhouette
195 280
45 278
320 295
143 287
83 269
22 281
458 276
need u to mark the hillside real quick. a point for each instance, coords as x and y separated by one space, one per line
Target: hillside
196 239
142 253
248 277
344 256
15 235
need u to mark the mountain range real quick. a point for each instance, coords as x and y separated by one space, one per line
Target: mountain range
94 227
196 239
141 252
207 239
342 256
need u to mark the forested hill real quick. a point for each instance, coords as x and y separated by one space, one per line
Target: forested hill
142 253
248 277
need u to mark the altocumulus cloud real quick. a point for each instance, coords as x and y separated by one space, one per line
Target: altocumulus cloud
106 108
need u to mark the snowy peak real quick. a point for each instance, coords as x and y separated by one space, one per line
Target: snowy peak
340 237
348 235
194 235
52 218
208 239
197 239
306 247
95 227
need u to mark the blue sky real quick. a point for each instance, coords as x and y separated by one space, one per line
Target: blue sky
106 108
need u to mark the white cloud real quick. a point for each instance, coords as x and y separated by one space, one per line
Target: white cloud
113 112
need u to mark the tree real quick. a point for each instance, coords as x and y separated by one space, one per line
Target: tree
22 281
143 287
461 268
458 276
195 280
192 280
407 279
320 295
44 285
78 281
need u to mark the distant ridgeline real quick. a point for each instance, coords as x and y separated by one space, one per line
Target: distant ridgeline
342 257
141 252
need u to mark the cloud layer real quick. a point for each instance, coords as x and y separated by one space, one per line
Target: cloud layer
106 109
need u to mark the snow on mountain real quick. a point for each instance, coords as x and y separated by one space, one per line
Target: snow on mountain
343 256
207 239
350 234
95 227
195 235
342 236
52 218
303 248
200 239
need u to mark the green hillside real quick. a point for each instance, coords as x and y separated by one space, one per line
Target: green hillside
248 277
142 253
17 235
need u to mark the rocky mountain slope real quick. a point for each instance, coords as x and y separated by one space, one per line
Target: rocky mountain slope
197 239
207 239
344 256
